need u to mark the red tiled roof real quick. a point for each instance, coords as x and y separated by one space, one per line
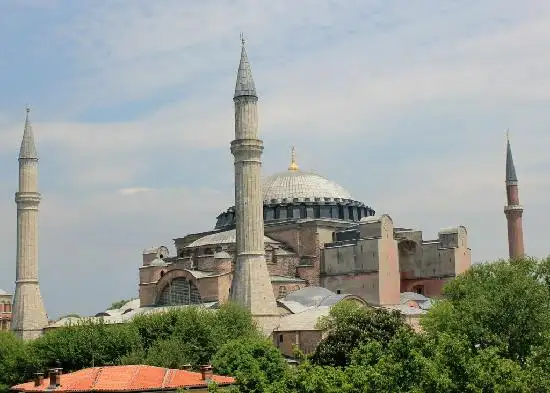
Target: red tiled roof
124 379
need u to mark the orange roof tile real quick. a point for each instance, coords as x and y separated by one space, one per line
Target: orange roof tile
124 379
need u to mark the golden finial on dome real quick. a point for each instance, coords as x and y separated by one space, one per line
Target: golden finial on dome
293 166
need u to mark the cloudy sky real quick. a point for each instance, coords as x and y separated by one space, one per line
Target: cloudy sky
405 106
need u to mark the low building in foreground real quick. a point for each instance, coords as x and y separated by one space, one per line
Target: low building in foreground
299 327
119 379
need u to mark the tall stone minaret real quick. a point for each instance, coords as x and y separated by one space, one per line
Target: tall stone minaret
513 210
251 286
28 313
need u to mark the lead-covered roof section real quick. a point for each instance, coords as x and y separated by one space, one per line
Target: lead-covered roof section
28 148
245 83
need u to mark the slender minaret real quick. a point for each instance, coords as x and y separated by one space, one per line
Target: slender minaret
28 312
513 210
251 286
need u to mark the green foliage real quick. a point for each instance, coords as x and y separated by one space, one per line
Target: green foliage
253 360
85 345
348 326
190 335
490 333
311 378
119 303
497 305
72 314
15 363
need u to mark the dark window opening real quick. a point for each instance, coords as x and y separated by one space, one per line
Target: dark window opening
338 291
419 289
317 211
280 338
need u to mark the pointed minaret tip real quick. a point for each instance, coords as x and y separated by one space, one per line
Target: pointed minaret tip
293 165
511 176
28 148
245 83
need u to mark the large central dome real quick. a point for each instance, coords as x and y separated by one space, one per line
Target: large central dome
297 195
301 186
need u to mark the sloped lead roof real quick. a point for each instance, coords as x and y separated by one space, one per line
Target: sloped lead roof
28 148
245 83
510 167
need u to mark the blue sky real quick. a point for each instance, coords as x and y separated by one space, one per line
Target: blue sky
404 106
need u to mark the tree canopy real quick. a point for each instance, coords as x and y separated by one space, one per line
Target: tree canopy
490 332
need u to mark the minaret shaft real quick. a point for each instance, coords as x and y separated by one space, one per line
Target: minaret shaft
513 209
251 285
28 313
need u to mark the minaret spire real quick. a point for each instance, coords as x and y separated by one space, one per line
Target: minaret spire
245 83
28 313
251 285
510 167
513 210
28 148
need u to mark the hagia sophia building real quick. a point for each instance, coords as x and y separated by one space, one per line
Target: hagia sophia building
294 244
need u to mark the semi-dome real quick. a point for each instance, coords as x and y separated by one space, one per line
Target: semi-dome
294 194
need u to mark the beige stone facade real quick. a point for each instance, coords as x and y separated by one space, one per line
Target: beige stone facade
371 259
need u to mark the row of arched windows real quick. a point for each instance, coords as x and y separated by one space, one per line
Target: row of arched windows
5 307
312 210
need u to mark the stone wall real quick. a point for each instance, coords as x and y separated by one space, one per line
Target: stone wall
305 340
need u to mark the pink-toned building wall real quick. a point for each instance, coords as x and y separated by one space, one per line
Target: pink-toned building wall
5 312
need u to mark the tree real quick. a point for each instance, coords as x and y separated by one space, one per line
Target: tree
119 303
197 332
84 345
309 378
253 361
348 325
15 364
500 305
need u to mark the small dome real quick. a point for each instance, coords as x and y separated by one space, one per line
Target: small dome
301 185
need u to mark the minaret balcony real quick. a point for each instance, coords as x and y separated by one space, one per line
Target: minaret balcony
510 208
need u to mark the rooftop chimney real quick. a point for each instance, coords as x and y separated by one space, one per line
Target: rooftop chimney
58 373
38 378
52 373
206 372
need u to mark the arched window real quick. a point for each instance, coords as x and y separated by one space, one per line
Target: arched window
179 291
